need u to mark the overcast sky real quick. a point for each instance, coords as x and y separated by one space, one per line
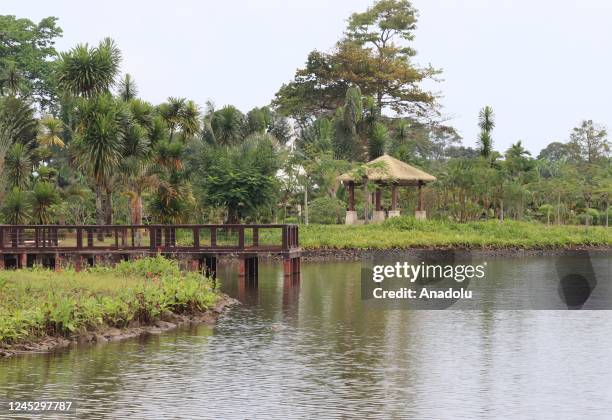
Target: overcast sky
544 65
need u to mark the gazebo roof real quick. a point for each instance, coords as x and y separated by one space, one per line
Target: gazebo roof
393 171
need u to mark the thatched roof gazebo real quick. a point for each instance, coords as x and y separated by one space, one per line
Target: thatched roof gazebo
386 171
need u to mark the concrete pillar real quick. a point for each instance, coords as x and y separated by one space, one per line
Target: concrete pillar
379 214
420 214
23 260
78 263
2 262
351 217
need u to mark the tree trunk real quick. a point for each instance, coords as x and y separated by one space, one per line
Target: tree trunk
306 205
108 213
558 209
366 201
501 210
136 212
607 212
99 211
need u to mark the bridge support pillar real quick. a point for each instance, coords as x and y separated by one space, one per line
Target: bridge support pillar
78 263
58 262
249 267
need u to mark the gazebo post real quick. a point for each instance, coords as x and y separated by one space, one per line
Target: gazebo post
351 214
420 214
394 212
379 214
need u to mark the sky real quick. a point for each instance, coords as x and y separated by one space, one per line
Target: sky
543 65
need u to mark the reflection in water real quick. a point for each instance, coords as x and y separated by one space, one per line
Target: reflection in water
313 349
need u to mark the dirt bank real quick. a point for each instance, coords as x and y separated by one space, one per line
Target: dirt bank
327 254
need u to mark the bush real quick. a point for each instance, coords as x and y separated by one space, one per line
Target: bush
326 211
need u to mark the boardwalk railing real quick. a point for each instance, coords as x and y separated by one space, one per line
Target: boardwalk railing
272 238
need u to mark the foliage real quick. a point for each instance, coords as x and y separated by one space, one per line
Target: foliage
36 303
240 178
326 211
17 207
407 232
89 71
26 53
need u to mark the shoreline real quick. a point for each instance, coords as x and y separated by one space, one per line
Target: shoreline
355 254
167 322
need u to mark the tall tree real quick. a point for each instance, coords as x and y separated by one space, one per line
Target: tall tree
27 50
589 143
127 88
375 56
486 122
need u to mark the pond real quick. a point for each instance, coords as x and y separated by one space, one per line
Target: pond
317 350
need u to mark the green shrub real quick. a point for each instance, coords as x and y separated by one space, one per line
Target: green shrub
326 211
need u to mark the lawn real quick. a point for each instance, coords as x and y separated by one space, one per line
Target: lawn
35 302
406 232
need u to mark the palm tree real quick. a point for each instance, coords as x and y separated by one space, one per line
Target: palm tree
228 125
127 88
17 125
44 196
98 148
18 166
50 131
17 208
486 122
87 72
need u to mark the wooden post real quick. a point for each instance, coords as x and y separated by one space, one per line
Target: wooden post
351 188
1 261
420 195
23 260
394 197
78 263
287 267
377 198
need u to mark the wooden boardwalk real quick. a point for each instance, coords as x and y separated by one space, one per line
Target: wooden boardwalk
52 245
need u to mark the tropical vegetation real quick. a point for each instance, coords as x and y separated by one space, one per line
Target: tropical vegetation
79 146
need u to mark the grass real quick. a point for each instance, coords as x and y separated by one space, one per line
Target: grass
35 303
407 232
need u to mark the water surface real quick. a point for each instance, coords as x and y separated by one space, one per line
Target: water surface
315 350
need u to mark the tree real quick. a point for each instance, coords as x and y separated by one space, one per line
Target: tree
373 56
589 143
50 131
97 147
18 166
241 178
554 152
127 88
228 125
17 207
26 51
44 196
180 115
89 71
486 122
17 125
